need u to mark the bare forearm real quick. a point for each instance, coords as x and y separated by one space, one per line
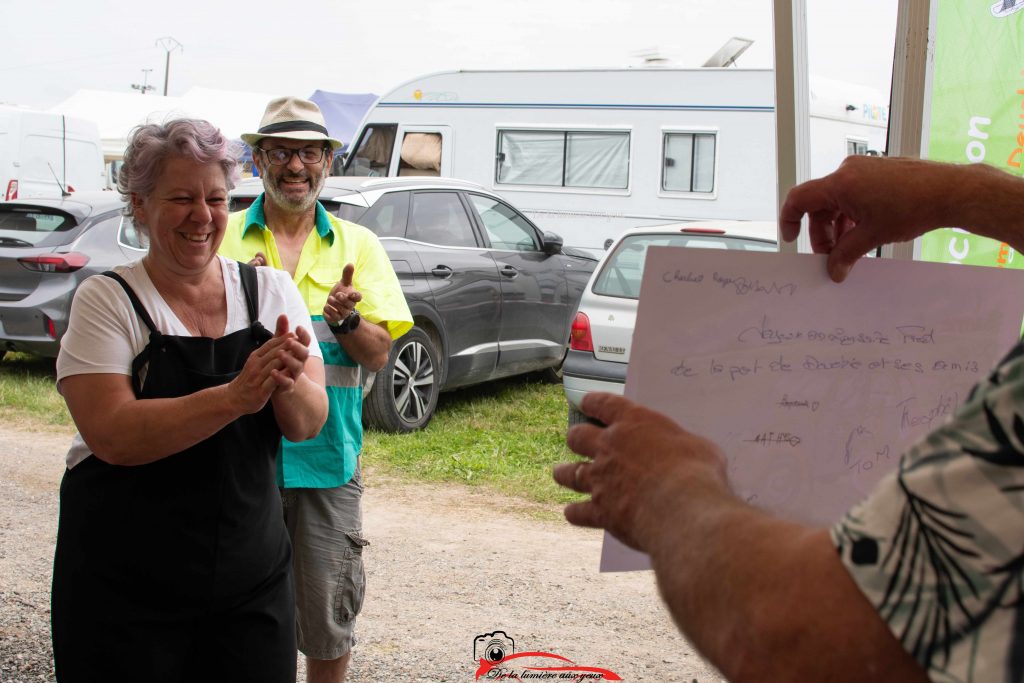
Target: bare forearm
761 598
368 345
143 431
301 411
987 201
768 600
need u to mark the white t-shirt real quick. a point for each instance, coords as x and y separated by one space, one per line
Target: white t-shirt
105 335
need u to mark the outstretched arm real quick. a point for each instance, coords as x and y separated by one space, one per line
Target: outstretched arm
762 599
871 201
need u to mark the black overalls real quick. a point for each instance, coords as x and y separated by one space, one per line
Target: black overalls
179 570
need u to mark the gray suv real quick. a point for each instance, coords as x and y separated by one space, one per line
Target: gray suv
491 294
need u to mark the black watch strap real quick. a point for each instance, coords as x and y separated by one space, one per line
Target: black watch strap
350 323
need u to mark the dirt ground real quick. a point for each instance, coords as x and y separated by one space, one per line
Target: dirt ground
445 564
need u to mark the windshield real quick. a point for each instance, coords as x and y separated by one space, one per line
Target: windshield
372 153
31 226
624 269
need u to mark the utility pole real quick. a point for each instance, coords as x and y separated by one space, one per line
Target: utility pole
170 45
144 86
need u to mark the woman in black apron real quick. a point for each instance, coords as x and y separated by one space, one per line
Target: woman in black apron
172 560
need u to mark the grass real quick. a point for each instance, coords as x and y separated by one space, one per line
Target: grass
28 395
503 436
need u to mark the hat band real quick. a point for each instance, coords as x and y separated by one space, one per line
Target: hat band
290 126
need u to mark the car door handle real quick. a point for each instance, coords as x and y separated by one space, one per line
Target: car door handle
442 271
509 271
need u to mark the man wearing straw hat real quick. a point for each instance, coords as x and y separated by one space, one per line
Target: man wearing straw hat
358 308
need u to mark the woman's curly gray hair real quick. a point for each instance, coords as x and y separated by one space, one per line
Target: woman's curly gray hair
152 144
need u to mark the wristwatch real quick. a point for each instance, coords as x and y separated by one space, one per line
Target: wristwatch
349 324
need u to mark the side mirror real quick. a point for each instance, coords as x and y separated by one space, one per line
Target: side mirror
553 243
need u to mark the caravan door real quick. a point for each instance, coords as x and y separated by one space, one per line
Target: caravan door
392 149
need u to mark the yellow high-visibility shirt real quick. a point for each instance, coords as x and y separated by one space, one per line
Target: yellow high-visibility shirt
330 459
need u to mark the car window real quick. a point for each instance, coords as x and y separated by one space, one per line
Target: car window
388 215
440 218
23 226
623 270
130 236
350 212
504 226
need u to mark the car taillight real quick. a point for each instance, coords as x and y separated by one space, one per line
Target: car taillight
579 334
55 263
51 329
12 190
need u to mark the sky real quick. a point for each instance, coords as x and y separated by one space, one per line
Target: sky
53 49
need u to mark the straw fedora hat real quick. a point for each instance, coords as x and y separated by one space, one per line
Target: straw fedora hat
292 118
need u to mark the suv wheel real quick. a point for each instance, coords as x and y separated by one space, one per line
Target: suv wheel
404 393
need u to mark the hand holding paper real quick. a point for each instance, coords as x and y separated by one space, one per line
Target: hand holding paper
813 391
871 201
669 467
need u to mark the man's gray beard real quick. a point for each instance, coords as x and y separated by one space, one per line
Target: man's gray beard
285 203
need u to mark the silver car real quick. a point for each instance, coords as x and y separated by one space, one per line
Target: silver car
47 248
602 331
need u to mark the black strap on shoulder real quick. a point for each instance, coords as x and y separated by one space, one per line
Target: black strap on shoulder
251 289
140 310
155 336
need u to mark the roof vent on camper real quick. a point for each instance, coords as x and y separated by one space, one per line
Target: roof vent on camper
728 53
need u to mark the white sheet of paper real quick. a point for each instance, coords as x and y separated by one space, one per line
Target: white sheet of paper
812 389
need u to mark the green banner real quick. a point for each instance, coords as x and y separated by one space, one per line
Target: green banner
977 110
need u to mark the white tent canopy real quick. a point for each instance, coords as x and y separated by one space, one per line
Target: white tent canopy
116 113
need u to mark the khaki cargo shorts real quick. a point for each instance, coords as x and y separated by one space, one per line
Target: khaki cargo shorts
326 529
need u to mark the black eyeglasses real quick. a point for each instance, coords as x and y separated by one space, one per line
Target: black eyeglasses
279 156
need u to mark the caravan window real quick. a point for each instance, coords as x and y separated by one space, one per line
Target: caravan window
855 147
689 162
563 158
373 152
420 155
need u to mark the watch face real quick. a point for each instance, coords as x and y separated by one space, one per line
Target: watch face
347 324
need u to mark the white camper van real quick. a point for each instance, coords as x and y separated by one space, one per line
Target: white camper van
589 153
43 154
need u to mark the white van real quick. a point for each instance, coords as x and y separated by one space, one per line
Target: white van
588 153
44 154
